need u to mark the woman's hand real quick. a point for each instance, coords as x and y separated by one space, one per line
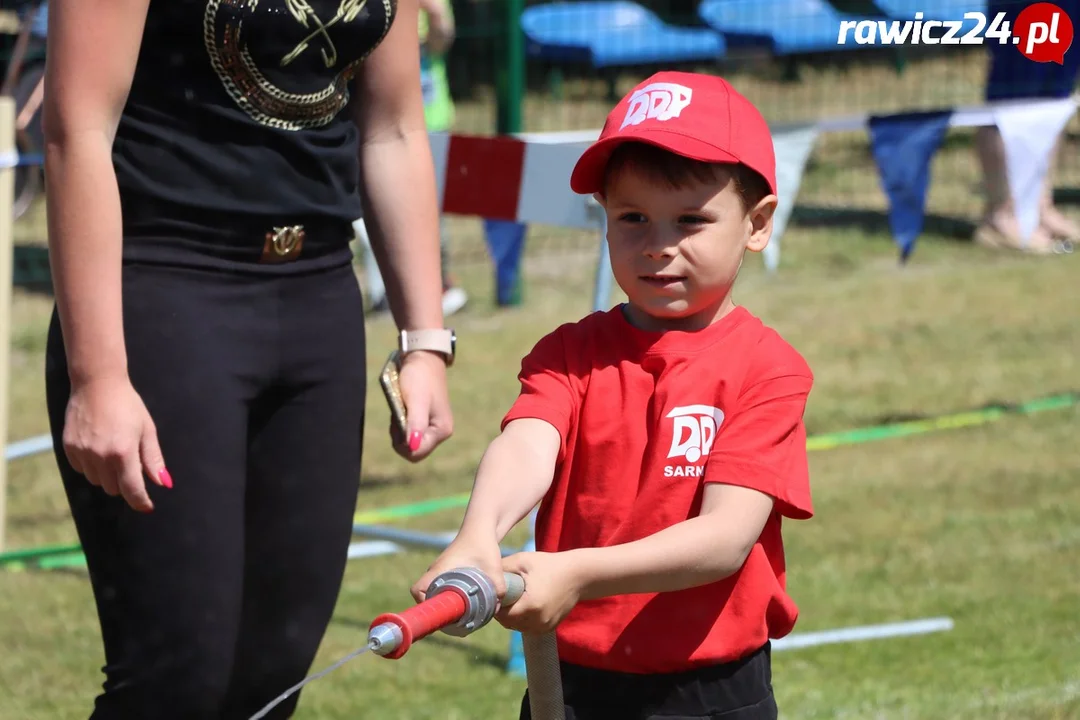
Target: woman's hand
552 588
110 438
427 405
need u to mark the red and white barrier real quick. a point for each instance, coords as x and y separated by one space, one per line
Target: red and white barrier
523 179
511 178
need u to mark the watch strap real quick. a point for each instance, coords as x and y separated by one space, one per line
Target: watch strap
438 340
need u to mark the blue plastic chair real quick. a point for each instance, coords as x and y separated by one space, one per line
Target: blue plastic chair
787 27
937 10
610 34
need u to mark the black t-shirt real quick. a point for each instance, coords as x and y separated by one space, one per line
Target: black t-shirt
237 123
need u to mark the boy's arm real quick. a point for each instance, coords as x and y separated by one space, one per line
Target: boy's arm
758 465
698 551
518 466
514 474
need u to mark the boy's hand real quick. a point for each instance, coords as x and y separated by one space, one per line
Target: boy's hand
552 589
483 554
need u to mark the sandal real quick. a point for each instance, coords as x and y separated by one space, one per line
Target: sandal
1040 243
1060 226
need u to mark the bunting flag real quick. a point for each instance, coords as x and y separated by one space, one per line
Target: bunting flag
1029 132
903 147
513 182
792 144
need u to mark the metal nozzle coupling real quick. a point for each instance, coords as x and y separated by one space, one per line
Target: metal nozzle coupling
480 598
458 602
385 638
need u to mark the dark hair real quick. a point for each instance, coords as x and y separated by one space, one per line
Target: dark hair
665 167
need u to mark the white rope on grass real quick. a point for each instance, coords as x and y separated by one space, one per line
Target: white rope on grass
864 632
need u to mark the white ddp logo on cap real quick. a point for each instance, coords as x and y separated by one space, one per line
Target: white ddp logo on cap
660 101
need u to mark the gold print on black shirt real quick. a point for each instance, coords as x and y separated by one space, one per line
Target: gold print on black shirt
303 12
301 33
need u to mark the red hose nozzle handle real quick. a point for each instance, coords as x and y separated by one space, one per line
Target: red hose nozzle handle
422 619
458 602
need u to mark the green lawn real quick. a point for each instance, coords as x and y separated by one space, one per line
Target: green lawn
978 524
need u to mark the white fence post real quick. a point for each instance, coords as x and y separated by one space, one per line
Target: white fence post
602 287
8 160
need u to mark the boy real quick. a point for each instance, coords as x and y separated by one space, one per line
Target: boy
665 437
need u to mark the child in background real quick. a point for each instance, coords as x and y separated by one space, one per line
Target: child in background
665 437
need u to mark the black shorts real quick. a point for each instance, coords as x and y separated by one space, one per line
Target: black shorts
741 690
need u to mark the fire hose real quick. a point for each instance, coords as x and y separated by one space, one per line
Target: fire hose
460 602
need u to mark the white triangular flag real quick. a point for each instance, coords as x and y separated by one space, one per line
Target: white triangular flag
792 144
1029 131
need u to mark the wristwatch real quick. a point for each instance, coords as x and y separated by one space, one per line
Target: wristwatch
440 341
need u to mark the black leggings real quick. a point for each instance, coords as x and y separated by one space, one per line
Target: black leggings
216 602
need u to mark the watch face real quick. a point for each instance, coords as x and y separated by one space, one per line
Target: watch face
453 343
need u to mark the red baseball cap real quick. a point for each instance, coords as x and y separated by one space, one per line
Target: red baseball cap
697 116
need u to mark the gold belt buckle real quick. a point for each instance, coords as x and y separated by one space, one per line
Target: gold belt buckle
283 244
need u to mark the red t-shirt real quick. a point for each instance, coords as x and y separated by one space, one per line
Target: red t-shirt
647 418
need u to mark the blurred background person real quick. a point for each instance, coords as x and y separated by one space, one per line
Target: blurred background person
1014 77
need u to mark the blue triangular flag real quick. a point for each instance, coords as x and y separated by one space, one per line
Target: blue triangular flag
903 146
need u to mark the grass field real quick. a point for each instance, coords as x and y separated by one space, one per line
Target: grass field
979 524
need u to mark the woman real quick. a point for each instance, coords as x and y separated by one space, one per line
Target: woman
205 159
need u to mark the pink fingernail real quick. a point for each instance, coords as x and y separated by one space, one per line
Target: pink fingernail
166 478
414 440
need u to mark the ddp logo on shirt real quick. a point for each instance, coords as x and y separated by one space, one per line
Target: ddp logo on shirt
694 429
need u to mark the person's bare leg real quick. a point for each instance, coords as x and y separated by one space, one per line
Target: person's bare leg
999 226
1053 220
991 152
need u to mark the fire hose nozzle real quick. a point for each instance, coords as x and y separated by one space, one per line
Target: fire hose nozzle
458 602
